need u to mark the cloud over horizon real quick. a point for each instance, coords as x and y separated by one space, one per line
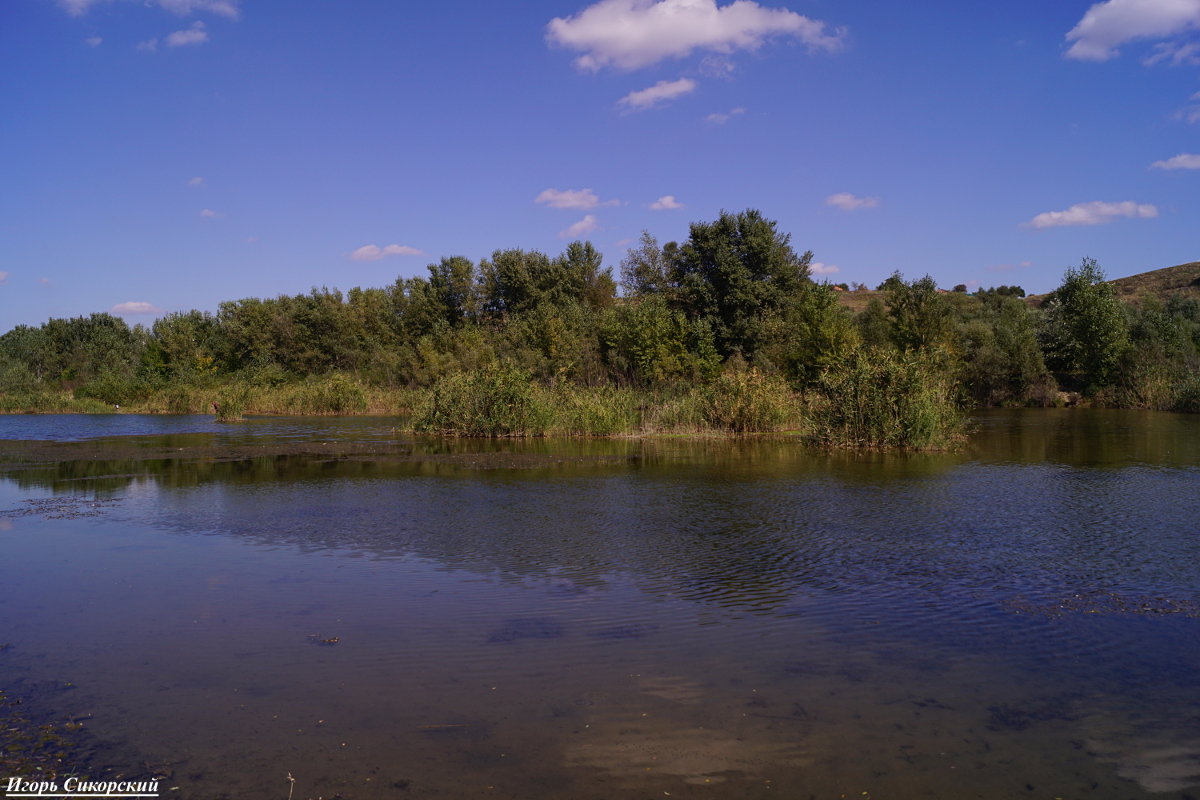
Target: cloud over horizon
372 252
819 268
230 9
666 203
851 202
1181 161
1109 24
585 225
583 199
656 95
135 307
1094 213
631 34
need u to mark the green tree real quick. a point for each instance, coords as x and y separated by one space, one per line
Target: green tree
732 271
1085 331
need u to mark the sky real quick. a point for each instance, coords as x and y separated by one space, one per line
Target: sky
167 155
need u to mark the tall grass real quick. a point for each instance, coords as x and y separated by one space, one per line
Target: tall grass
492 401
748 401
51 403
593 411
878 398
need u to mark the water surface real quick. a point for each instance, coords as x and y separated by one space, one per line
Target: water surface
613 618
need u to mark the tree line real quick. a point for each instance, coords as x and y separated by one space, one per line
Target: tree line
734 296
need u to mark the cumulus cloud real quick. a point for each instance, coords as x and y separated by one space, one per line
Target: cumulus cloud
94 41
208 213
1181 161
630 34
197 181
583 199
3 277
222 8
135 307
371 252
721 119
150 45
666 203
1095 213
584 226
656 95
850 202
196 34
818 268
1109 24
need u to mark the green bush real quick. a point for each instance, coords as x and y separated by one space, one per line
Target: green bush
879 398
747 401
494 401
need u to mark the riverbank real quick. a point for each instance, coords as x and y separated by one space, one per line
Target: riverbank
874 402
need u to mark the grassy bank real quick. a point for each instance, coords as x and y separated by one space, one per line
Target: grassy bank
504 401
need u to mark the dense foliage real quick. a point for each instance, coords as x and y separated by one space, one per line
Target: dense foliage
725 330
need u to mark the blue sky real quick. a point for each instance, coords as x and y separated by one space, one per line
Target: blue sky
163 155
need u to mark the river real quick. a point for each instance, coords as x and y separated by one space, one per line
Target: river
380 616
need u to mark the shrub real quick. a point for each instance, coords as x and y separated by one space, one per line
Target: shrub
747 401
878 398
494 401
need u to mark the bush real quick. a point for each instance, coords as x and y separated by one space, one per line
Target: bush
879 398
747 401
494 401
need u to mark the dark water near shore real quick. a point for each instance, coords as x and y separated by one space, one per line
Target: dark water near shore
608 619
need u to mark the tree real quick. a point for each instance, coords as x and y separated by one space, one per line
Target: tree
920 316
1084 330
731 272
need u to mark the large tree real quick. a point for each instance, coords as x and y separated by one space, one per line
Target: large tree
1084 330
732 272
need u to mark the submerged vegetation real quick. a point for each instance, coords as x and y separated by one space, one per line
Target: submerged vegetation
725 332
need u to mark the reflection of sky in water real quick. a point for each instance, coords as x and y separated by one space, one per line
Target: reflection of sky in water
753 620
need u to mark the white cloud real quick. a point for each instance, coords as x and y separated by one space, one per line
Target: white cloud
208 213
1181 161
850 202
197 181
150 45
721 119
193 35
223 8
372 252
657 94
94 41
1095 213
1174 52
572 198
630 34
44 281
135 307
3 277
585 225
1109 24
818 268
666 203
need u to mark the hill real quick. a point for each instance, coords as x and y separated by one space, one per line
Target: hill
1160 283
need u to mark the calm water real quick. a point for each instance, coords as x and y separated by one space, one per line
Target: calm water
615 619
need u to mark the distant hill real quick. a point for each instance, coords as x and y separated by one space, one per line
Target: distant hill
1160 282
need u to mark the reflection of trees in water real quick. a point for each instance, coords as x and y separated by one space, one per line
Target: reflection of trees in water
1087 437
741 524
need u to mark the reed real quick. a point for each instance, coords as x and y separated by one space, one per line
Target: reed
878 398
493 401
